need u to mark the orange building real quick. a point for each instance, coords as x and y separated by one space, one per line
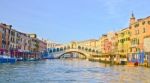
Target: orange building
4 35
112 42
139 29
0 38
7 35
103 40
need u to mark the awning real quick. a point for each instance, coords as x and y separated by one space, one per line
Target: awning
3 50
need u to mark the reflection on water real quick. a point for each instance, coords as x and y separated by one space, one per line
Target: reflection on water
71 71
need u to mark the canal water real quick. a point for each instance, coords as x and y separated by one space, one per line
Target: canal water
71 71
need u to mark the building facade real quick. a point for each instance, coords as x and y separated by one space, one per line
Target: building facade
124 41
4 35
88 43
140 29
112 43
13 40
42 46
50 44
103 42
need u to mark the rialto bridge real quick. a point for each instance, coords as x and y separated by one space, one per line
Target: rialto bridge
60 50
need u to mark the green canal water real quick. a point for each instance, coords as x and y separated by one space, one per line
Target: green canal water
71 71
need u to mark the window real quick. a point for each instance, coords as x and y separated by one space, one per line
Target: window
129 32
128 39
130 49
123 40
138 42
137 31
143 30
135 41
136 25
143 22
149 22
138 49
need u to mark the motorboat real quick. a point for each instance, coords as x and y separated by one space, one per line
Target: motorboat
31 59
130 64
20 59
7 59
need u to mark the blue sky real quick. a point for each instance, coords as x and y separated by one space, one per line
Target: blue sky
67 20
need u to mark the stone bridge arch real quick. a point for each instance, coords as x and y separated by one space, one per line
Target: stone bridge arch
73 47
82 53
61 53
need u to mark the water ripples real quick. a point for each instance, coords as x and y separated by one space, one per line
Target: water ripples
71 71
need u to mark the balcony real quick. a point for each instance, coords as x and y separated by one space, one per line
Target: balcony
134 45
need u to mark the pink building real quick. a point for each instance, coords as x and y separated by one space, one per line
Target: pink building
107 46
42 46
109 43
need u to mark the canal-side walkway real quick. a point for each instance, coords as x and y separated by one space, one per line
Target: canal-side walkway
121 61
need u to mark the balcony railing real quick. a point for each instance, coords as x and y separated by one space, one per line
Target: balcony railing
134 45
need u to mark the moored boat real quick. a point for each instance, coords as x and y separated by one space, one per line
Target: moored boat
20 59
32 59
130 64
7 59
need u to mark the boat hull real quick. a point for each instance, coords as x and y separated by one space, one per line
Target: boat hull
6 59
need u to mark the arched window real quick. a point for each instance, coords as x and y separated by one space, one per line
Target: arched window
86 49
61 49
50 51
65 48
93 50
90 50
96 51
68 47
82 48
79 47
54 50
58 50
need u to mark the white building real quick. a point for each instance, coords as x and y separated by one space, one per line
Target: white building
51 44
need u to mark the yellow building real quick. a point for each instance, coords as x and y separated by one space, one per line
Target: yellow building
124 41
102 42
88 43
